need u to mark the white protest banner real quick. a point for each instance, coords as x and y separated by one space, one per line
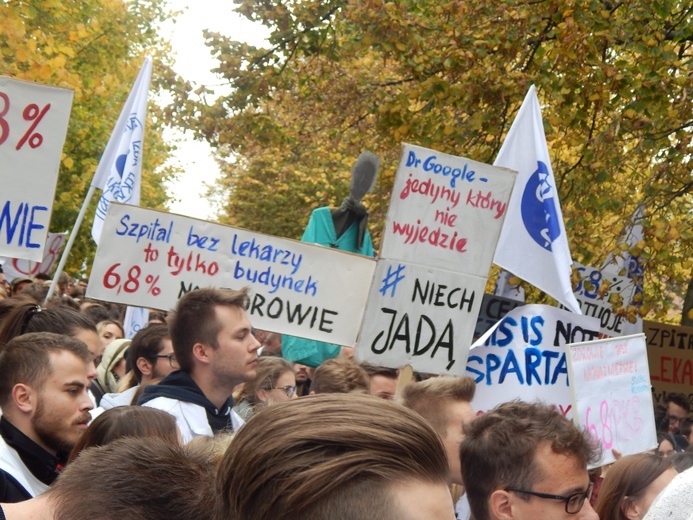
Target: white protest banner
420 316
594 297
611 394
33 125
523 357
148 258
446 211
19 268
443 223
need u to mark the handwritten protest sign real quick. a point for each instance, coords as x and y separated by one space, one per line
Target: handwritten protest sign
523 357
19 268
33 125
445 211
150 259
420 316
670 356
597 303
611 394
442 227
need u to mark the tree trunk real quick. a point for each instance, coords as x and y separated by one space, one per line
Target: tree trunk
686 319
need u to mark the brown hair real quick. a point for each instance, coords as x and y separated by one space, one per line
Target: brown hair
429 398
137 479
375 370
339 376
147 344
29 317
195 320
628 478
678 398
500 447
326 457
127 421
26 359
269 369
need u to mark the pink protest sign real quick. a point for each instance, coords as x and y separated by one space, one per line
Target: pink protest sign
610 385
33 126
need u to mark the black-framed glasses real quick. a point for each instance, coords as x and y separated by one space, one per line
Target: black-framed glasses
288 390
171 359
573 503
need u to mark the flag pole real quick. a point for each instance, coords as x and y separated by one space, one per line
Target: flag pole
70 241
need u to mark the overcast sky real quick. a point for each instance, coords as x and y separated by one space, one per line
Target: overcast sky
194 62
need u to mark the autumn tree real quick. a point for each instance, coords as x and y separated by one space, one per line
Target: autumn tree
96 48
338 77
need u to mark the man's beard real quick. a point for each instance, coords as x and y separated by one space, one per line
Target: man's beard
46 430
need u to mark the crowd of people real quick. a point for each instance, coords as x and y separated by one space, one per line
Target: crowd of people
199 416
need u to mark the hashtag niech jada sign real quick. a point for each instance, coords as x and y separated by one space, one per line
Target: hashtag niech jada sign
33 126
441 232
148 258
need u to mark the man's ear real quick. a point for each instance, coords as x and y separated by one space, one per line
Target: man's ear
500 505
24 397
201 352
145 366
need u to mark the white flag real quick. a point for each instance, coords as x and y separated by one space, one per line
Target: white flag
135 319
119 172
533 243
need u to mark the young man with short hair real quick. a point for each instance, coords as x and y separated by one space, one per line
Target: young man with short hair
678 407
339 376
334 457
45 406
216 350
444 402
524 461
151 357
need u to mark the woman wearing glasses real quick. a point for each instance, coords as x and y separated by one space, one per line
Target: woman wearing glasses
275 382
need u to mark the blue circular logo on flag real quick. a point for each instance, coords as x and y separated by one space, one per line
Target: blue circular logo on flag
538 209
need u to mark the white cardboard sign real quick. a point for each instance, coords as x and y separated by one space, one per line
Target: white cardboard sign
611 394
420 316
18 268
523 357
446 211
148 258
33 126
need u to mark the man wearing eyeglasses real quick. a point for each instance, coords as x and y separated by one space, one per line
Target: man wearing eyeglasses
216 351
678 408
524 461
152 359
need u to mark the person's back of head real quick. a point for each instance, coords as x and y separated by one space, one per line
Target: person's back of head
502 449
331 457
135 479
27 317
127 421
339 376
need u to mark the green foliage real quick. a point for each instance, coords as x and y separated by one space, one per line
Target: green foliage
614 80
96 48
